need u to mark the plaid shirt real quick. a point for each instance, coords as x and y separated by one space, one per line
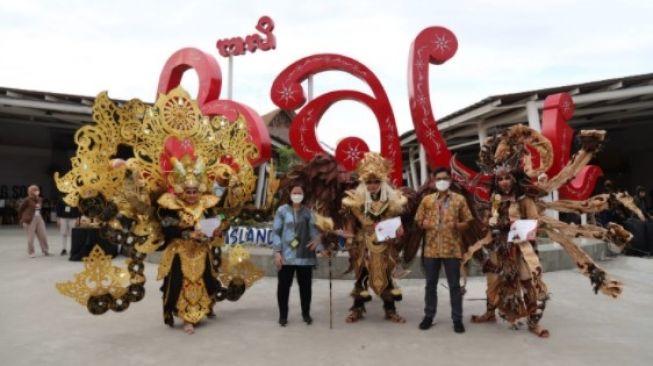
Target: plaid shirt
440 240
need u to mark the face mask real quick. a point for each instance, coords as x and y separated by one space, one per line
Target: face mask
442 185
218 190
297 198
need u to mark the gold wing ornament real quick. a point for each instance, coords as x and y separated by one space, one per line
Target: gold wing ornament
121 193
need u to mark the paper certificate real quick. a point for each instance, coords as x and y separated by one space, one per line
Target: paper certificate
208 226
387 229
522 230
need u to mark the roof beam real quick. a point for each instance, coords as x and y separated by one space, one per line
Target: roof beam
613 108
46 105
474 113
607 95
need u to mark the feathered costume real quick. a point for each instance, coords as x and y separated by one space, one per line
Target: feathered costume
515 286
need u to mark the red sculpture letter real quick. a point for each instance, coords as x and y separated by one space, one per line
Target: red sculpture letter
287 93
558 109
432 45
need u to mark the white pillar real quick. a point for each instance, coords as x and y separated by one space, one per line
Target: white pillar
552 198
482 133
583 219
310 88
413 171
533 114
230 86
423 172
260 184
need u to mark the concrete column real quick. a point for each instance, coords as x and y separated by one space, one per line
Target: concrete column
550 198
423 172
482 133
533 114
260 185
413 171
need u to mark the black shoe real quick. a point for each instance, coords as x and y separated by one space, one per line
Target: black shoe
458 327
307 319
426 323
64 252
283 322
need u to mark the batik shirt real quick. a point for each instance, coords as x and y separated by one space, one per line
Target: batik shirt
440 241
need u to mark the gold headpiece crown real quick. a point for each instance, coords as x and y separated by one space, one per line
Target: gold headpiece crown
373 165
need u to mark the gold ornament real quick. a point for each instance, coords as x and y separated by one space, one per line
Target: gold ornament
99 277
145 129
237 264
373 166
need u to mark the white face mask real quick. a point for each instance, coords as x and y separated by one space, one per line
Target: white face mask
218 190
297 198
442 185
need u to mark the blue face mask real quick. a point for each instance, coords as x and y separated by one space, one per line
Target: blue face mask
218 190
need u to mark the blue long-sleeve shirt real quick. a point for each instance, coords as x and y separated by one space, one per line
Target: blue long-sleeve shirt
284 232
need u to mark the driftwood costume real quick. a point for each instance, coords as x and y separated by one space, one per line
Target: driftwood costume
185 167
515 285
373 262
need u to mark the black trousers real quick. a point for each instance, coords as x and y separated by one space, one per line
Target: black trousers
304 279
432 272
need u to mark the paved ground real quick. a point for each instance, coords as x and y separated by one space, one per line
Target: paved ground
40 327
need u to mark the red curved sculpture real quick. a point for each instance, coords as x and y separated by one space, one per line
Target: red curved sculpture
208 95
287 93
433 45
557 110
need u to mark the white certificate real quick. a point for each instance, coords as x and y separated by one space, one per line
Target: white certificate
523 230
208 226
387 229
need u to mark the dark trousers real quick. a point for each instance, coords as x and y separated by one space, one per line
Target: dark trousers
432 272
304 279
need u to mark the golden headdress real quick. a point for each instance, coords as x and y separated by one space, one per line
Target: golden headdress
373 165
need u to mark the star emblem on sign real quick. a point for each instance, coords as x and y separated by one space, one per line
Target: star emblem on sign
286 93
566 106
441 43
352 152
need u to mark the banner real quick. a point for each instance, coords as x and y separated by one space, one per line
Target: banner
261 236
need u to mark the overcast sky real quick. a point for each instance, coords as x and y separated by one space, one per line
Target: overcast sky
84 47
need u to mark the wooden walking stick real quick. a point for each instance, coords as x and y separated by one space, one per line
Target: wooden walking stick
330 295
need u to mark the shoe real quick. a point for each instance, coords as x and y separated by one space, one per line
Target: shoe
64 252
32 255
307 319
426 323
283 322
458 327
47 254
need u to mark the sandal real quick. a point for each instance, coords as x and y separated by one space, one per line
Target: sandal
487 317
539 331
394 317
355 315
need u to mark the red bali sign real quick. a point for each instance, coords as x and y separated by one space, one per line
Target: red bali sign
238 45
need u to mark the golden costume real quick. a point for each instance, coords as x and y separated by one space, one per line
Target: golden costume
185 167
374 262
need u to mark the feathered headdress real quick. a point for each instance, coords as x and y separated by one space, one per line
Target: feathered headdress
373 165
